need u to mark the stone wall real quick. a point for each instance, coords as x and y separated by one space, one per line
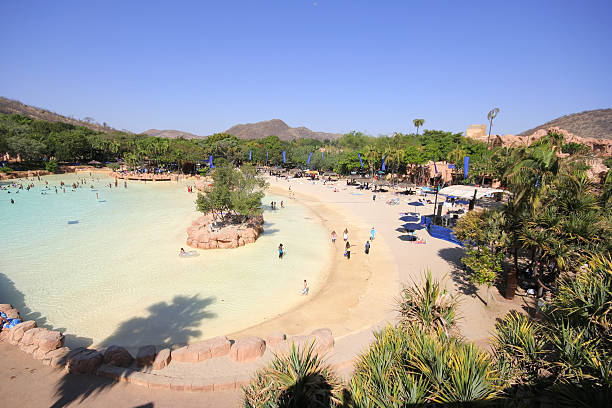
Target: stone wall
146 368
200 235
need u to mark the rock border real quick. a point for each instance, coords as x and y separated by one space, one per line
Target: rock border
118 364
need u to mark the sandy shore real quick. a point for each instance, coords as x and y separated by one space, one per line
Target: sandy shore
362 292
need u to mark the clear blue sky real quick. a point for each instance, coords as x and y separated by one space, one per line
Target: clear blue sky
330 65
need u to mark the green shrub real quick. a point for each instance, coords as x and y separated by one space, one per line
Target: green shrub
299 379
113 166
5 169
51 166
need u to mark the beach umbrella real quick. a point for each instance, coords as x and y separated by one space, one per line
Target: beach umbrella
360 162
466 166
309 156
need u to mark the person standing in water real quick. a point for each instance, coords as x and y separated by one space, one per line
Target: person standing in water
305 288
282 204
281 251
367 247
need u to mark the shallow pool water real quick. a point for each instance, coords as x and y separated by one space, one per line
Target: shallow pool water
106 270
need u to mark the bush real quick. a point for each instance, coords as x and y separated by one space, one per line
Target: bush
429 307
410 366
300 379
113 166
51 166
5 169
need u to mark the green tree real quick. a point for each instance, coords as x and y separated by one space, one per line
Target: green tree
417 124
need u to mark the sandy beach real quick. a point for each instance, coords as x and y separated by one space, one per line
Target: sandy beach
362 292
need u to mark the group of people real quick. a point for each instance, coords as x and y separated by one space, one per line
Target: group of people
347 245
273 204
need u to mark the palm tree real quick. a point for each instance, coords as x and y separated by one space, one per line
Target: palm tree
418 123
371 155
490 116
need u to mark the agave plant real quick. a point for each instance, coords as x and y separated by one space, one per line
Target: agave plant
299 379
406 365
428 306
520 343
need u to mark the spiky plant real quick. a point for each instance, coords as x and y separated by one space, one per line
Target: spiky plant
519 342
410 366
299 379
428 306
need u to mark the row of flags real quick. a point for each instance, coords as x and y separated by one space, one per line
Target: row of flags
466 161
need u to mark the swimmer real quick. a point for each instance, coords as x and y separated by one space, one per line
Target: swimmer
281 251
96 196
12 201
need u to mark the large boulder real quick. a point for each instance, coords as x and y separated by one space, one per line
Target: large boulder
273 339
84 361
202 350
16 332
56 358
29 336
49 340
246 350
145 356
118 356
12 314
162 359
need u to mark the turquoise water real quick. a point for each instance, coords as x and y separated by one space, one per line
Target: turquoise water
107 270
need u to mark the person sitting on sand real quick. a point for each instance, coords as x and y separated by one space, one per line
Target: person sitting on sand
305 289
182 251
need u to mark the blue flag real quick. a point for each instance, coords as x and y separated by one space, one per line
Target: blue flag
435 167
250 154
466 166
322 157
210 162
309 156
383 165
284 157
360 162
267 156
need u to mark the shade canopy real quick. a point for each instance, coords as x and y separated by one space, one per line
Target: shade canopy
467 192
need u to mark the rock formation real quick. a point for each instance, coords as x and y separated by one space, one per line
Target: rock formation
201 235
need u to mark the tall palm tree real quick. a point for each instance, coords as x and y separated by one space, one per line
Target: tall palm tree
490 116
418 123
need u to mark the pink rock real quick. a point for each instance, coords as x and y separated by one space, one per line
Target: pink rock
39 354
145 356
83 361
50 340
29 348
324 339
16 332
28 336
246 350
118 356
273 339
162 359
57 358
12 314
5 306
185 355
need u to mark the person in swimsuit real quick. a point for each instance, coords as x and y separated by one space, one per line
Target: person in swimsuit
347 250
182 251
345 236
305 289
333 236
281 251
372 234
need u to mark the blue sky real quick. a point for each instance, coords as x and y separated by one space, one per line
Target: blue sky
330 65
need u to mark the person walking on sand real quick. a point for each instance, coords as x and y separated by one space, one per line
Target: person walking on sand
305 288
281 251
347 250
282 204
333 237
345 236
374 197
372 234
367 247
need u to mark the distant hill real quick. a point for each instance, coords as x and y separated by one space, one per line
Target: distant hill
593 123
171 134
9 106
278 128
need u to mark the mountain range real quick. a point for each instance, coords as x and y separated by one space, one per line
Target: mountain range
594 123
